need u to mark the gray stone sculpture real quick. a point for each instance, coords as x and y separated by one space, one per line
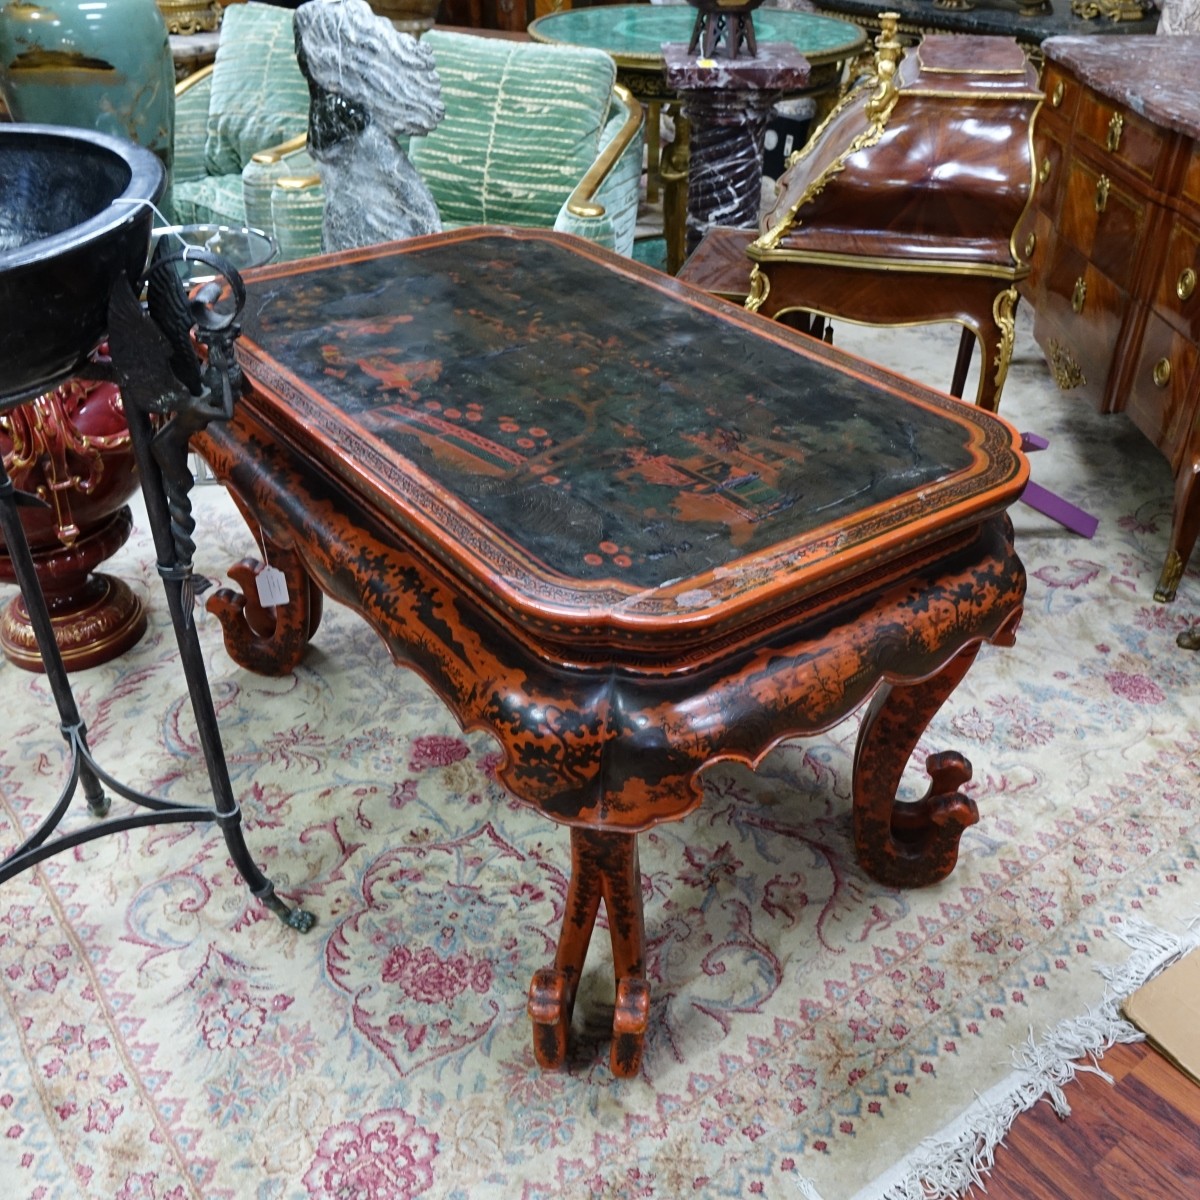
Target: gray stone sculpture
368 84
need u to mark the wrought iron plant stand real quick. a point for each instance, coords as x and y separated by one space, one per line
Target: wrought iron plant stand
169 394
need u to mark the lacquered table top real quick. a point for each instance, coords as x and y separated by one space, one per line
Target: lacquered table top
582 438
634 33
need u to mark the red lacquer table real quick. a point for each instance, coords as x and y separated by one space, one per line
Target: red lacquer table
627 529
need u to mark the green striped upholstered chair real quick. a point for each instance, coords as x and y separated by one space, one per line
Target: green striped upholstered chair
252 97
534 135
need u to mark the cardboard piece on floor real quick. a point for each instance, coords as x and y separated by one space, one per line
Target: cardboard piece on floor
1167 1011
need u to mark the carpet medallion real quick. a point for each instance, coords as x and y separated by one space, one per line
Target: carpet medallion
165 1040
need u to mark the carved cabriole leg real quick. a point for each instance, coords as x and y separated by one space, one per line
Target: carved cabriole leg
604 865
911 843
1004 313
1185 525
270 640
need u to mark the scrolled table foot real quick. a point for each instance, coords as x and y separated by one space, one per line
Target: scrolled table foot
604 866
910 843
551 1001
631 1017
267 639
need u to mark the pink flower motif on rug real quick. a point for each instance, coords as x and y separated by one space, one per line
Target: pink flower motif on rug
383 1156
424 951
437 750
425 977
1139 689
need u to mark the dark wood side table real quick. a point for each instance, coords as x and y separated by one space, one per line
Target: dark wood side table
1115 241
627 529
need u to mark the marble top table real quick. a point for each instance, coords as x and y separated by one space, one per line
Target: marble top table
1163 86
628 530
634 35
1030 24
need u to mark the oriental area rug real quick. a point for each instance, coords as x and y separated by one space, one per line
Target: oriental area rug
813 1034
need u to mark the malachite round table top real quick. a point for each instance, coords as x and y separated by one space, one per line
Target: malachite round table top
634 33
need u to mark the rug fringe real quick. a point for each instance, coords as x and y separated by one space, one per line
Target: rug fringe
944 1166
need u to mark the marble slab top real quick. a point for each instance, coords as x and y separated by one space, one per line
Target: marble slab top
1152 76
777 67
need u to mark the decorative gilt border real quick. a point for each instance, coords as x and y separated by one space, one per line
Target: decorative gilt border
877 108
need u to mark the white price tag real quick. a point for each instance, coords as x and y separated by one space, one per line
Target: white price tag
272 587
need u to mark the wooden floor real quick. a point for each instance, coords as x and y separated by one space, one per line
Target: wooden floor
1137 1139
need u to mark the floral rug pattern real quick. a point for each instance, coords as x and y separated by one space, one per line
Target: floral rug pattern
164 1039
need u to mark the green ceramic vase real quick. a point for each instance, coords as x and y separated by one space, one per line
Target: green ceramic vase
95 64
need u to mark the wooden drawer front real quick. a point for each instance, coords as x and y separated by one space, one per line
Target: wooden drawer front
1062 95
1190 191
1082 311
1102 219
1035 241
1177 293
1163 392
1122 137
1048 159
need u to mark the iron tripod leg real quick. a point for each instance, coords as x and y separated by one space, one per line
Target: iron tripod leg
177 582
21 557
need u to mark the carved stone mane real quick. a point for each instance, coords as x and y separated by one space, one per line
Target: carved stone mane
369 84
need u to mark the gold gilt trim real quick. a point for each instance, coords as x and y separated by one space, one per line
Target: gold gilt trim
897 266
186 84
928 70
1065 367
1112 10
1168 583
760 287
1030 192
582 202
878 108
946 94
1004 309
277 153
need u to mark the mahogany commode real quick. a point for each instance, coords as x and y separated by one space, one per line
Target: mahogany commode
628 529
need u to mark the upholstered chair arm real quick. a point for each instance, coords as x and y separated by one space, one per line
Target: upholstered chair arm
259 176
603 206
191 125
296 206
283 150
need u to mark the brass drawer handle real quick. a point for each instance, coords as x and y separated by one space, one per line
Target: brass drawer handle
1030 245
1079 295
1044 171
1115 126
1102 186
1162 372
1185 285
1056 96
